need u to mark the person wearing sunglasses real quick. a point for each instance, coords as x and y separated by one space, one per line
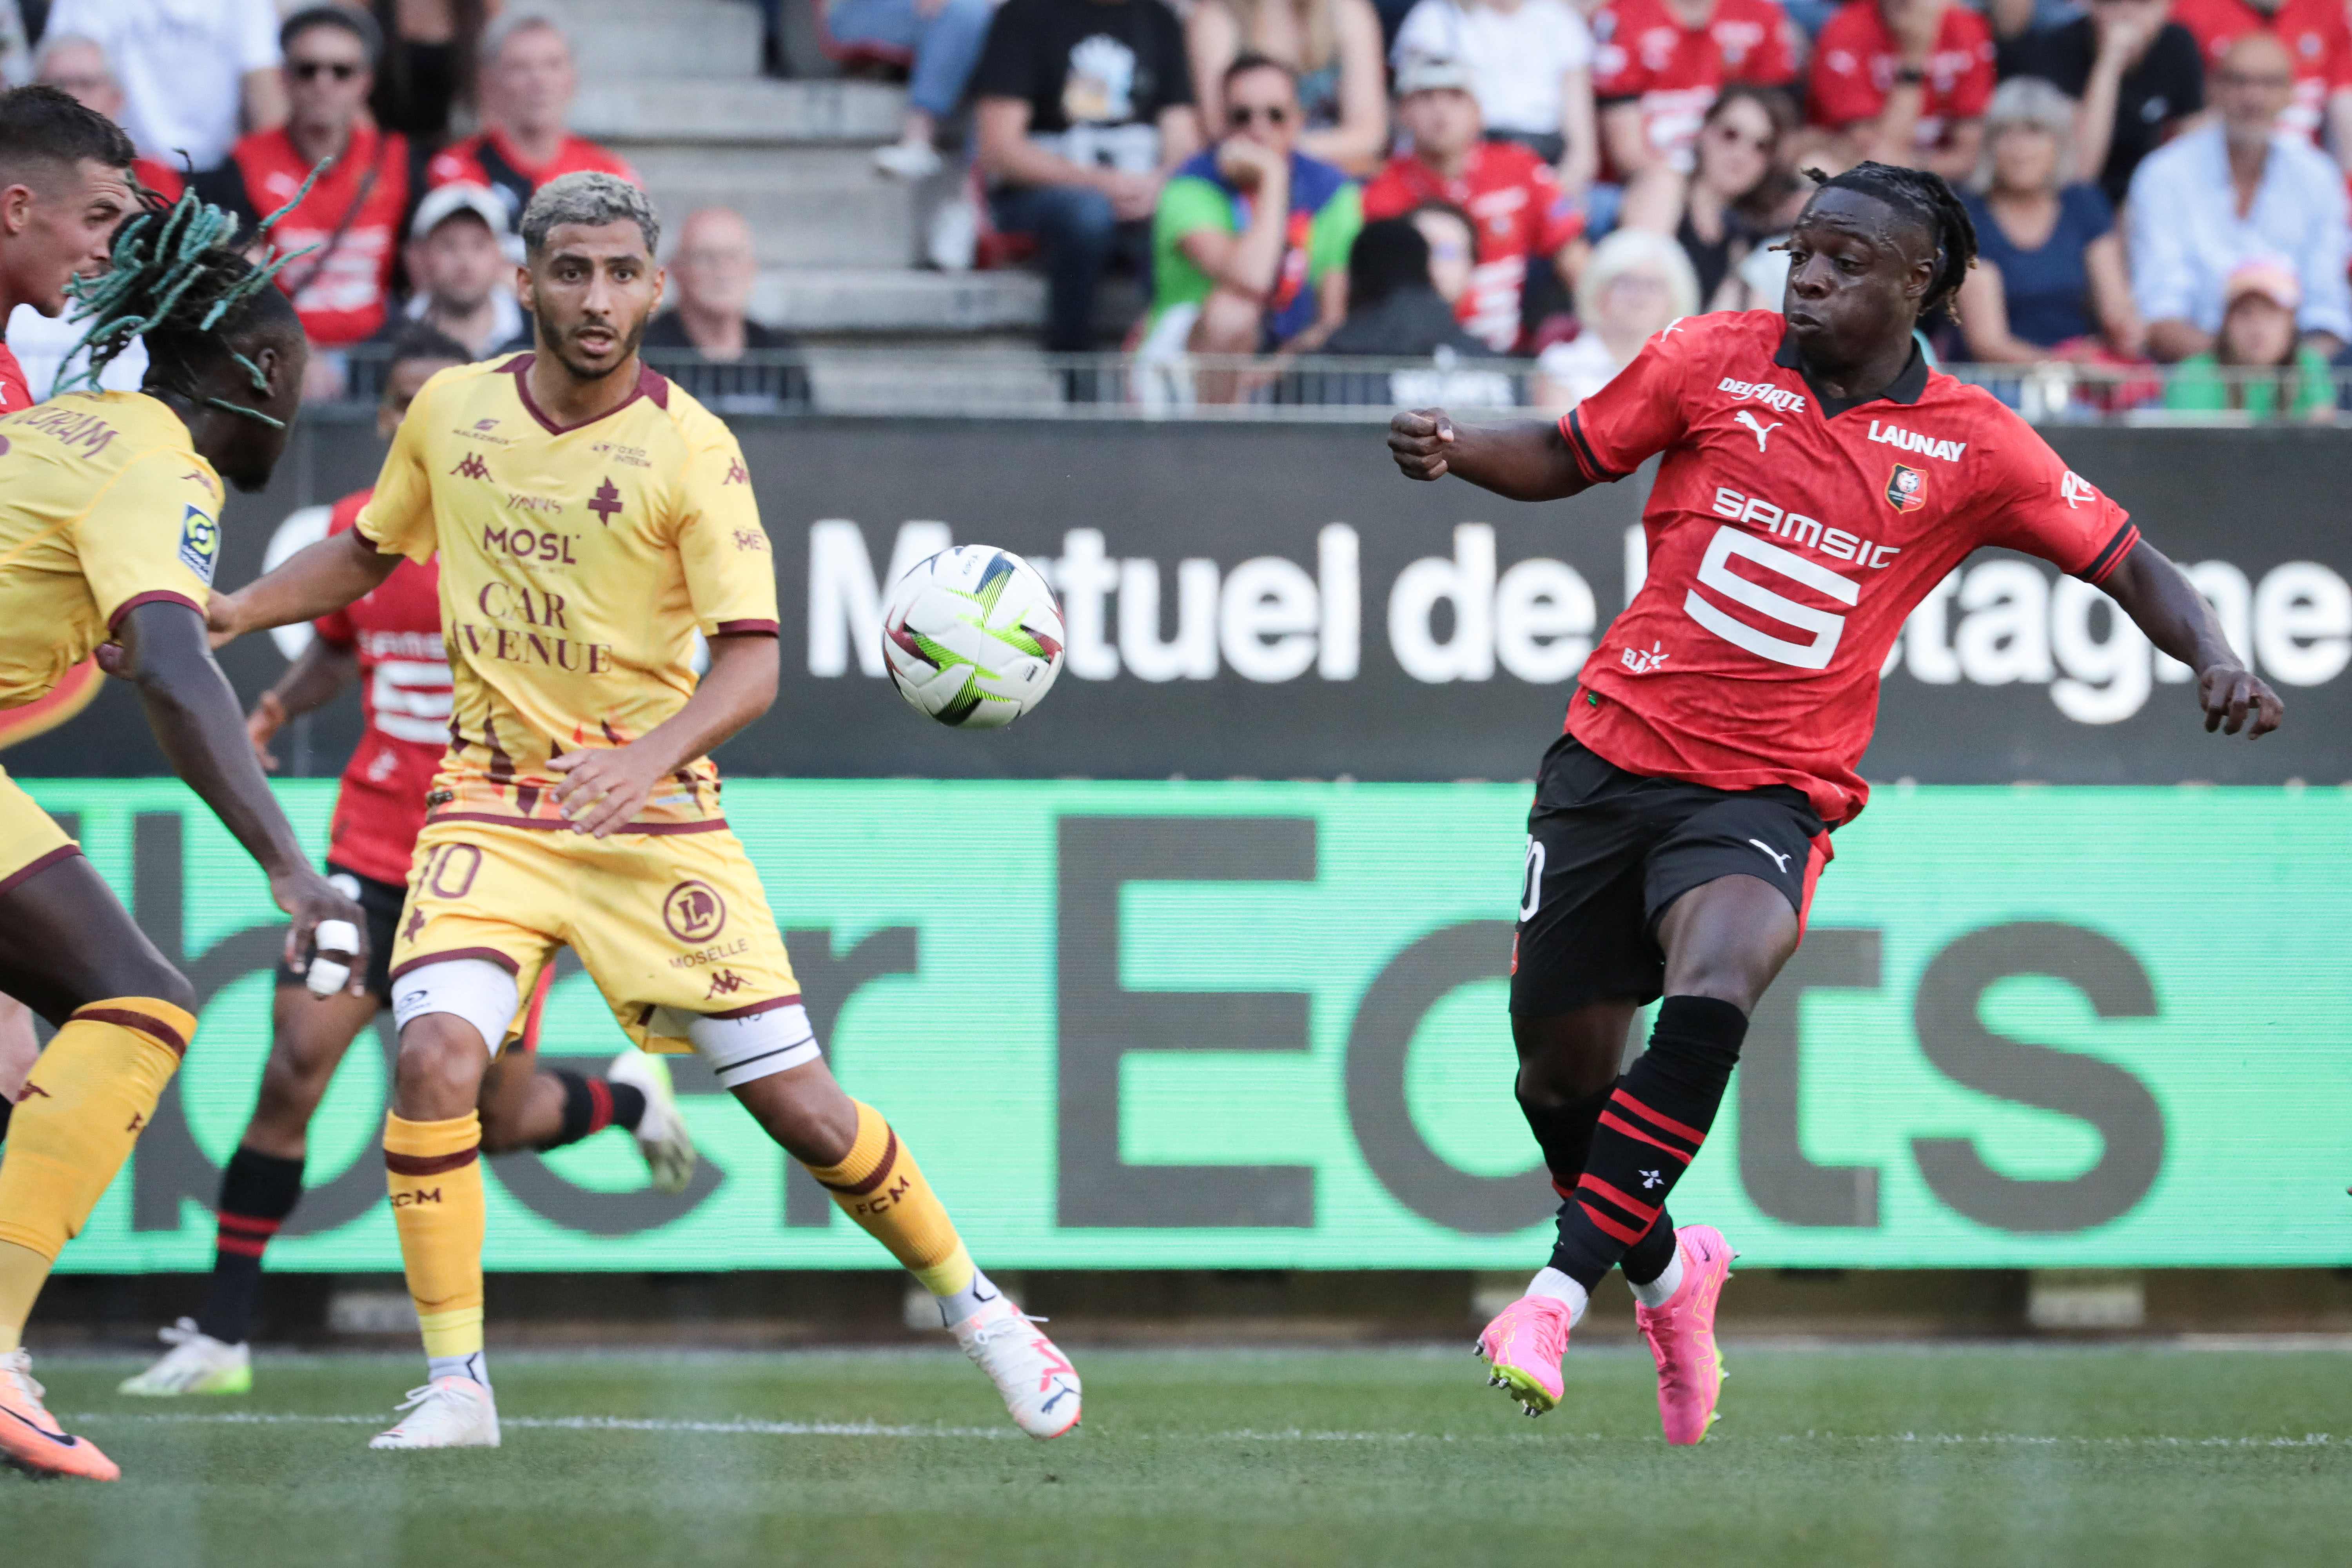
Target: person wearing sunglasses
1737 193
349 220
1251 238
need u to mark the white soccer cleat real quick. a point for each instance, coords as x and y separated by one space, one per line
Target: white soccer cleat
196 1363
662 1136
448 1413
1039 1386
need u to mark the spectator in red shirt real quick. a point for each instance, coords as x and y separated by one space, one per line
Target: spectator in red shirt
77 67
1661 64
351 221
1524 218
2318 40
528 84
1904 81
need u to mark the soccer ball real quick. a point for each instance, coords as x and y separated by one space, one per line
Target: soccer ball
974 636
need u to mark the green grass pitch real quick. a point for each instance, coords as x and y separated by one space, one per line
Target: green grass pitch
1995 1455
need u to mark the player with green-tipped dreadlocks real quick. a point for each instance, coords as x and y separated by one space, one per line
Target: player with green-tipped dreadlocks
110 530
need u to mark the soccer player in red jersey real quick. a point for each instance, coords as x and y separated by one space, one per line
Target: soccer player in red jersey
63 192
2318 39
1818 481
1904 80
390 643
1662 62
1519 215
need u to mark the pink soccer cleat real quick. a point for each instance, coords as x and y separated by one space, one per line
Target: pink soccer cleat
1682 1336
1522 1349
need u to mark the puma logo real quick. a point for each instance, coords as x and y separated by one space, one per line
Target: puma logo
1778 858
1762 429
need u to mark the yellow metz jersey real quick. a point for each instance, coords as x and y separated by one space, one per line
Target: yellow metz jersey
104 506
576 565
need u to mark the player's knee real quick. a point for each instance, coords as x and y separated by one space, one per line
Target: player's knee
442 1058
1229 324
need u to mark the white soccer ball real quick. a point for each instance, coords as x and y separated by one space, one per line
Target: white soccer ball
974 636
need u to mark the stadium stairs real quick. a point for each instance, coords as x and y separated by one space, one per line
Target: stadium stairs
838 243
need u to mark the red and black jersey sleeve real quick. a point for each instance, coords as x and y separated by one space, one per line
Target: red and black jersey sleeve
2046 509
1640 413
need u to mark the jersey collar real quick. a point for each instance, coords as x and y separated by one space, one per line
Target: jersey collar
650 384
1907 387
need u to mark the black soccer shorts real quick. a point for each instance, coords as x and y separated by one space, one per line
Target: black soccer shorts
1609 850
380 902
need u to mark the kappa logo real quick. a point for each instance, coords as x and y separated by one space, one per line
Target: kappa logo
471 467
1758 425
694 911
737 474
607 504
1641 663
1907 488
1912 441
1778 399
725 983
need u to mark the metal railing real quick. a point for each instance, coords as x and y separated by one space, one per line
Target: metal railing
1009 383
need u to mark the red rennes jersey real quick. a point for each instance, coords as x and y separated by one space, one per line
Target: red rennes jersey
1674 72
1788 541
1521 216
404 692
1855 60
2316 38
340 289
16 396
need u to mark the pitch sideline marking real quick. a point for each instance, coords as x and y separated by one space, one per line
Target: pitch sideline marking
753 1427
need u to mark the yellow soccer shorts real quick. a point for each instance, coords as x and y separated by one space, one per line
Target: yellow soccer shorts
30 838
673 927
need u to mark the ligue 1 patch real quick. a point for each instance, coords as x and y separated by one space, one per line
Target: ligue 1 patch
1907 488
199 544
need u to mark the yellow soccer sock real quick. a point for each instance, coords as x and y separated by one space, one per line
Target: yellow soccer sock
87 1098
879 1185
435 1172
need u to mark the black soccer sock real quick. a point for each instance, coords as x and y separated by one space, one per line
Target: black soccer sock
593 1104
1656 1120
1564 1133
257 1192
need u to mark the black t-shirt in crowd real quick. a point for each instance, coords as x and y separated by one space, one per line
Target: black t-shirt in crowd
2165 88
1095 73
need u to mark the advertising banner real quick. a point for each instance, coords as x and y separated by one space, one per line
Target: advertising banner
1275 601
1262 1025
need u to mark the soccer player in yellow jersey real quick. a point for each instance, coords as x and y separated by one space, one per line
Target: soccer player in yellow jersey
109 509
589 517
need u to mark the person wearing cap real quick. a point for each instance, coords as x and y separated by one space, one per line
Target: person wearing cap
2233 192
2256 365
1524 218
458 263
350 222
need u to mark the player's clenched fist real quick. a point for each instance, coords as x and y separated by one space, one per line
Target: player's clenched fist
1419 440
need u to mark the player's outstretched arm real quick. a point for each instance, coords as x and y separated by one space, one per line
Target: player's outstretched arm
196 719
603 791
2166 605
310 683
311 582
1526 459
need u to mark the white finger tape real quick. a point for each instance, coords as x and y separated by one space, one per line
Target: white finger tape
335 945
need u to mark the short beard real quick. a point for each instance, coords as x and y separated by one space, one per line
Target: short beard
544 333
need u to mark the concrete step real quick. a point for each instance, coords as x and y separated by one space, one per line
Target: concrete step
627 39
867 223
933 382
856 300
830 166
625 111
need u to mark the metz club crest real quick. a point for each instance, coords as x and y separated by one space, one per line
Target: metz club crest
1907 488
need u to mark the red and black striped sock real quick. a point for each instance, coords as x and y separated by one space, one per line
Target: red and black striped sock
593 1104
1564 1133
257 1192
1656 1119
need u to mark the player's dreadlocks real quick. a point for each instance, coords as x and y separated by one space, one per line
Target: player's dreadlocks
176 282
1926 199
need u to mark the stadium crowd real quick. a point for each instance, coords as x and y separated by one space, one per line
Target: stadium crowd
2153 182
